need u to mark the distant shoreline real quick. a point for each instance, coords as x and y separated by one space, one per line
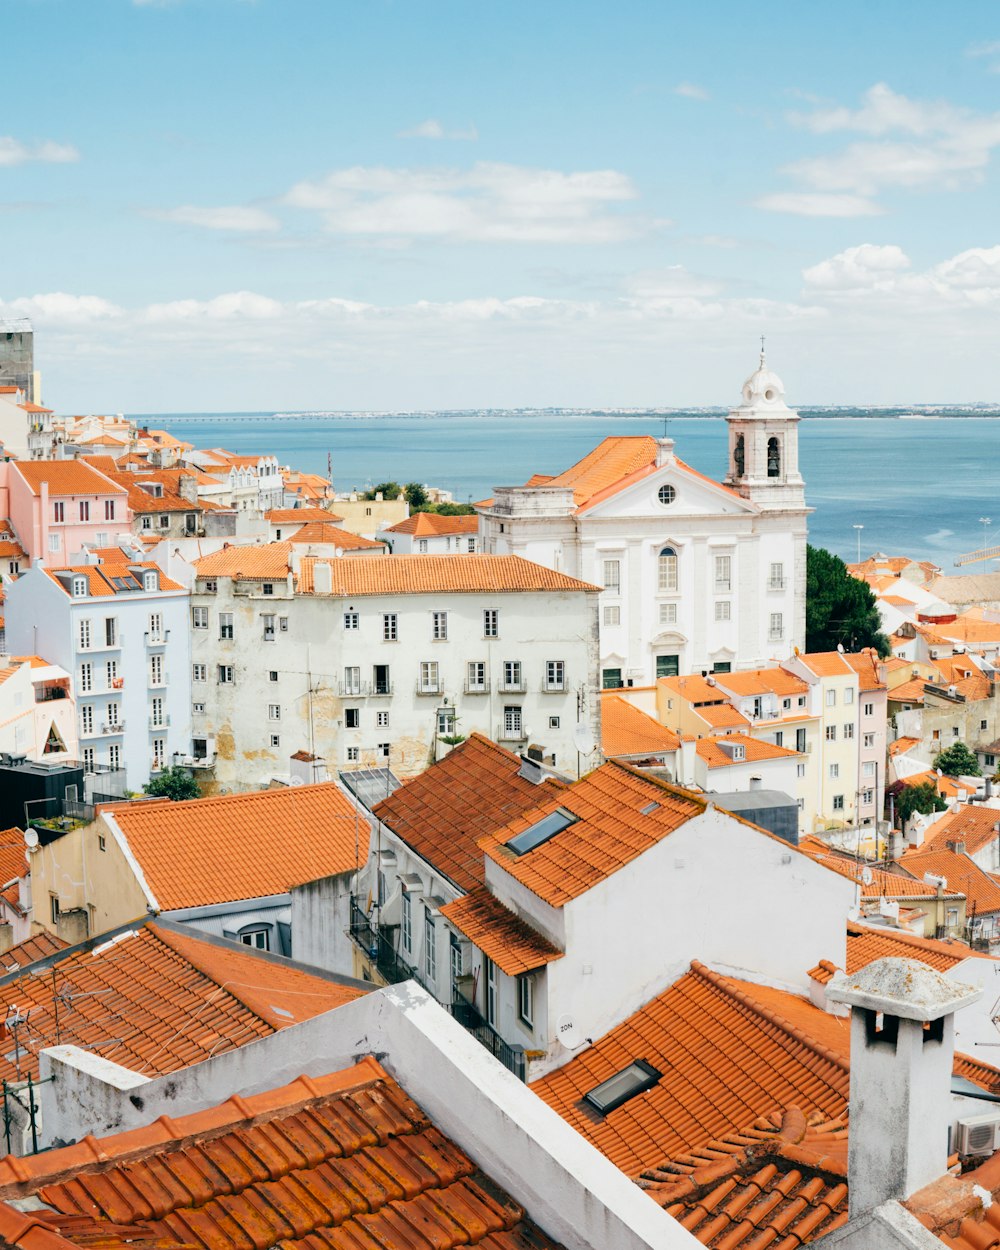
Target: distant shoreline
984 412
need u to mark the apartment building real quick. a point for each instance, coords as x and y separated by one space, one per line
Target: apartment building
430 534
120 627
386 661
58 507
37 710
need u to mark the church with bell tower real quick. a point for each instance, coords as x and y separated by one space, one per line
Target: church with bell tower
764 444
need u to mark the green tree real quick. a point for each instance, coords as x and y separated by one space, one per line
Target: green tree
840 609
922 798
388 490
415 494
173 783
957 761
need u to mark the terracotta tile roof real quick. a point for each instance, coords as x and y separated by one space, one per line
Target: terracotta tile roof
826 663
434 524
694 688
866 665
970 627
512 944
780 1182
883 884
974 825
103 464
11 549
626 730
100 576
865 944
444 811
902 745
755 751
324 532
729 1051
345 1160
422 575
13 854
66 477
613 459
763 681
722 716
962 873
263 562
292 516
39 946
142 500
239 846
156 1001
908 692
611 830
947 787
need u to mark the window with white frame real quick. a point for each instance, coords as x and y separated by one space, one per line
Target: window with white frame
86 678
159 753
84 510
156 714
199 618
491 622
723 610
111 631
54 542
512 722
274 711
867 797
89 762
111 674
115 756
612 614
776 626
352 680
869 740
267 588
267 620
353 755
155 626
849 694
475 675
225 675
492 992
381 720
831 733
838 802
147 522
156 670
555 675
390 627
430 949
385 749
352 718
84 635
512 674
849 729
666 570
80 587
351 620
668 613
868 768
86 718
869 709
199 672
421 546
225 624
109 509
800 770
407 922
439 626
613 575
197 708
831 698
526 1000
429 676
59 512
834 770
776 577
723 573
446 722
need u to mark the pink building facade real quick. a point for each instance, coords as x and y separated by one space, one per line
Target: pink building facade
59 506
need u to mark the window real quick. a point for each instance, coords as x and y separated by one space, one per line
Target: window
802 700
776 577
389 627
613 575
156 715
989 760
471 545
197 707
115 756
800 770
666 570
159 753
831 698
868 768
211 586
88 759
867 796
54 908
274 711
407 922
351 620
352 680
429 680
86 677
421 546
84 510
439 626
834 770
869 740
87 718
164 521
779 738
59 512
612 615
838 802
147 522
618 1089
491 622
382 720
113 714
475 676
512 674
849 694
611 678
723 573
267 588
225 674
156 670
668 613
773 458
268 623
80 587
385 749
831 733
155 627
380 675
199 672
225 624
983 724
723 609
739 456
257 938
722 666
553 722
849 730
272 674
526 1000
869 709
555 675
492 992
111 631
667 666
666 494
199 618
353 754
512 722
776 627
275 740
446 722
109 509
283 624
430 949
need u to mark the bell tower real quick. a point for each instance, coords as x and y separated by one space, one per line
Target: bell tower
764 445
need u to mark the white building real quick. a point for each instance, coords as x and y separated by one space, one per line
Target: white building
383 660
121 629
37 710
695 574
431 534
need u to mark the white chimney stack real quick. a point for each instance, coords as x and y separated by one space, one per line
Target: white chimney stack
900 1099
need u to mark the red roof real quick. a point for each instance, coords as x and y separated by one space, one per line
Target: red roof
435 525
512 944
66 477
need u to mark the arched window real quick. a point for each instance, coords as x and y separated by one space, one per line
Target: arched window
773 458
667 569
739 456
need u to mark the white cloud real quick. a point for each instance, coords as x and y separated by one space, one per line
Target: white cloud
811 204
691 91
991 51
488 203
857 268
879 275
432 129
232 217
59 308
14 152
234 306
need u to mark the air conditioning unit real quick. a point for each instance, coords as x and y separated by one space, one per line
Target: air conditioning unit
978 1134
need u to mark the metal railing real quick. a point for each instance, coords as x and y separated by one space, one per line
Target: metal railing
428 687
513 687
379 946
160 722
477 687
512 1057
510 735
116 727
776 583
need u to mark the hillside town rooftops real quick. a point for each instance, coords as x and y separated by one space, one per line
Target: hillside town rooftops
628 731
39 946
874 880
110 578
976 826
435 524
718 752
982 891
866 943
261 562
293 516
66 477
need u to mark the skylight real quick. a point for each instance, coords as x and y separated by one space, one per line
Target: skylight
541 831
649 809
635 1079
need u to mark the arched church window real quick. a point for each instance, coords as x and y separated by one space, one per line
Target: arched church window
739 456
667 569
773 458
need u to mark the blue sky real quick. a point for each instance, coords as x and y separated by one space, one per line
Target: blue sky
230 204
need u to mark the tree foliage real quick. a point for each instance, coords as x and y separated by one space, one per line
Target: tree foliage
922 798
840 609
173 783
957 761
388 490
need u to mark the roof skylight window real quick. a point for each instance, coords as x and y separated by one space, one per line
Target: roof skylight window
649 809
635 1079
541 831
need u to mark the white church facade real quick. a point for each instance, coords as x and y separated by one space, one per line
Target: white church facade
696 575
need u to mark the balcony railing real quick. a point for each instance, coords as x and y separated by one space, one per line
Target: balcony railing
512 1057
518 686
510 734
429 687
159 722
157 640
364 689
477 687
113 727
378 945
776 583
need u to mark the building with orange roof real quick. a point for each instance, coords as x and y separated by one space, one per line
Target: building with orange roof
961 872
323 538
629 734
367 517
372 661
284 523
696 574
59 507
109 623
247 483
38 717
431 533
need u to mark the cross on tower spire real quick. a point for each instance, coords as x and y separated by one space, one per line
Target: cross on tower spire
762 351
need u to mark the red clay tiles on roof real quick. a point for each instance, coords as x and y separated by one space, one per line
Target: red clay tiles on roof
13 854
266 562
627 730
513 945
973 825
755 750
39 946
295 516
416 575
866 944
444 812
240 846
325 532
66 477
611 831
434 524
962 874
346 1161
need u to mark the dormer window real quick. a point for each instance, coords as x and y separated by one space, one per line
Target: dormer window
79 587
149 581
739 752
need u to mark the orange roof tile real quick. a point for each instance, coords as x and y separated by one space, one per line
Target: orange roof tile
782 1181
263 562
422 575
611 830
241 846
902 745
962 873
626 730
324 532
39 946
865 944
754 751
763 681
613 459
512 944
883 883
346 1159
694 688
826 663
908 692
100 577
66 477
10 549
444 811
974 825
13 853
721 716
434 524
292 516
156 1001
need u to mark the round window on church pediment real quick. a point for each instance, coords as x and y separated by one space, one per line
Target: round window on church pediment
666 494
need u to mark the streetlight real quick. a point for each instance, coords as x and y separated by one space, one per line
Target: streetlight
859 528
985 521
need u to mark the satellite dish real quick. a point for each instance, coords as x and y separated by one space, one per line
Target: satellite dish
568 1034
583 738
866 876
295 781
31 839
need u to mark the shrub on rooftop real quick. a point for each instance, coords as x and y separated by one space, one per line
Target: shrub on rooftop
957 761
173 783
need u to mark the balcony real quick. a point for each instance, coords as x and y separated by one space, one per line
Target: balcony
157 640
113 727
378 945
554 687
776 583
477 687
429 688
511 733
519 686
159 722
512 1057
364 689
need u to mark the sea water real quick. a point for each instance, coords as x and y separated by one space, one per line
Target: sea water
919 487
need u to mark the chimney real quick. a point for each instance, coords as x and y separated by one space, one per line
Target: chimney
687 754
755 783
957 847
322 577
900 1101
664 452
